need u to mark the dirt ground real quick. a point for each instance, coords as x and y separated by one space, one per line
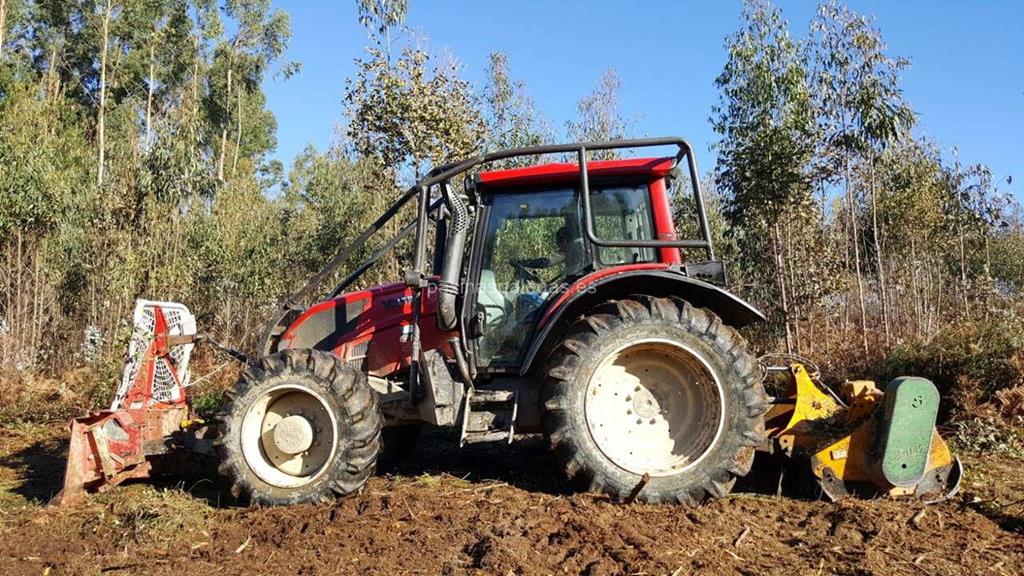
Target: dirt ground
491 510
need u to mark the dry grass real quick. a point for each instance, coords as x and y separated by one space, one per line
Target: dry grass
41 399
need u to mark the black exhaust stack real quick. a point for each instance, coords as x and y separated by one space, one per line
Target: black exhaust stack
448 285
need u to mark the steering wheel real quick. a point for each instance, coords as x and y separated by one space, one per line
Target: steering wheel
524 273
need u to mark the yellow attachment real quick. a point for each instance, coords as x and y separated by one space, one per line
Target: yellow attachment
189 422
791 422
840 440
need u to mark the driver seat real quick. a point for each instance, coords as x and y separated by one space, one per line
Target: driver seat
492 299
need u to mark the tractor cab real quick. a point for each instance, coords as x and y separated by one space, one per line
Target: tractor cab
530 243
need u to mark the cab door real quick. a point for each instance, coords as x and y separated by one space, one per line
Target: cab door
527 244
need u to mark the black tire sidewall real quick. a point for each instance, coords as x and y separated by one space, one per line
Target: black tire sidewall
609 329
333 391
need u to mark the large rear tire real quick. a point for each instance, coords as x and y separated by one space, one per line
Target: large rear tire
654 388
302 427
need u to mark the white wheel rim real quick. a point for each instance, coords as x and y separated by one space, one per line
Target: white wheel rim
654 407
289 436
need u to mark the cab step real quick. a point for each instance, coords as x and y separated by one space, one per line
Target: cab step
489 415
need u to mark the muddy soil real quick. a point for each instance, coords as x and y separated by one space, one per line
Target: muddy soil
493 510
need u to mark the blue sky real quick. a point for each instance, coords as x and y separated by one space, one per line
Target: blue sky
966 78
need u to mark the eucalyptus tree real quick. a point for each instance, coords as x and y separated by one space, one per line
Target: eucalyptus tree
3 25
511 116
412 109
598 115
765 123
861 111
913 199
382 18
234 101
975 208
412 112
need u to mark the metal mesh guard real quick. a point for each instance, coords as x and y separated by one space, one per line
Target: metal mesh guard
179 321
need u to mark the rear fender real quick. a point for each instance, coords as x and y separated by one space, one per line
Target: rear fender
653 280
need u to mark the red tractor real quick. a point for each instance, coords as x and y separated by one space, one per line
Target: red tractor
557 301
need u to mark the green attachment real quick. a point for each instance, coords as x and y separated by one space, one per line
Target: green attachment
905 432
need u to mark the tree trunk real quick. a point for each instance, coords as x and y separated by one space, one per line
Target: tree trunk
51 74
963 272
195 72
846 270
238 135
876 237
914 288
224 131
8 293
18 317
195 100
780 277
37 302
856 259
149 96
101 113
3 25
794 304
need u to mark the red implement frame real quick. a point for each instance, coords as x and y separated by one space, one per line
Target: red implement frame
111 446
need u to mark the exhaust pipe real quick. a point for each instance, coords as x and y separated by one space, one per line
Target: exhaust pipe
448 285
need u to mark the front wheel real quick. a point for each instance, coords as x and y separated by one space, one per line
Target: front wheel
302 427
654 399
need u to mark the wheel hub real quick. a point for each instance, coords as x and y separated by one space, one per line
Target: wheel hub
654 407
645 403
293 434
289 436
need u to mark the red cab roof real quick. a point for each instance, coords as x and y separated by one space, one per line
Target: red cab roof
565 172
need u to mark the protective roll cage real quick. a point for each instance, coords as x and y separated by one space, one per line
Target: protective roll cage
440 177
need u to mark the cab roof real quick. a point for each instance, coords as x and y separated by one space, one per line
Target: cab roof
558 173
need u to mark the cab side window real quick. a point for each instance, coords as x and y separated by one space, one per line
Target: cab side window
622 213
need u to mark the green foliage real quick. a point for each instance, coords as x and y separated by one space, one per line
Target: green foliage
526 239
866 247
599 118
766 124
408 113
382 15
979 357
162 225
857 95
44 162
512 119
764 117
329 199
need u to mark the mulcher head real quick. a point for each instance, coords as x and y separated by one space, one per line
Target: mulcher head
868 442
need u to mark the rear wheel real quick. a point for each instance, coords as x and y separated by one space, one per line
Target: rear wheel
654 388
303 427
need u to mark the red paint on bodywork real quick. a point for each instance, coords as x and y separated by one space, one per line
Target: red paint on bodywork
559 173
585 283
384 325
663 224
